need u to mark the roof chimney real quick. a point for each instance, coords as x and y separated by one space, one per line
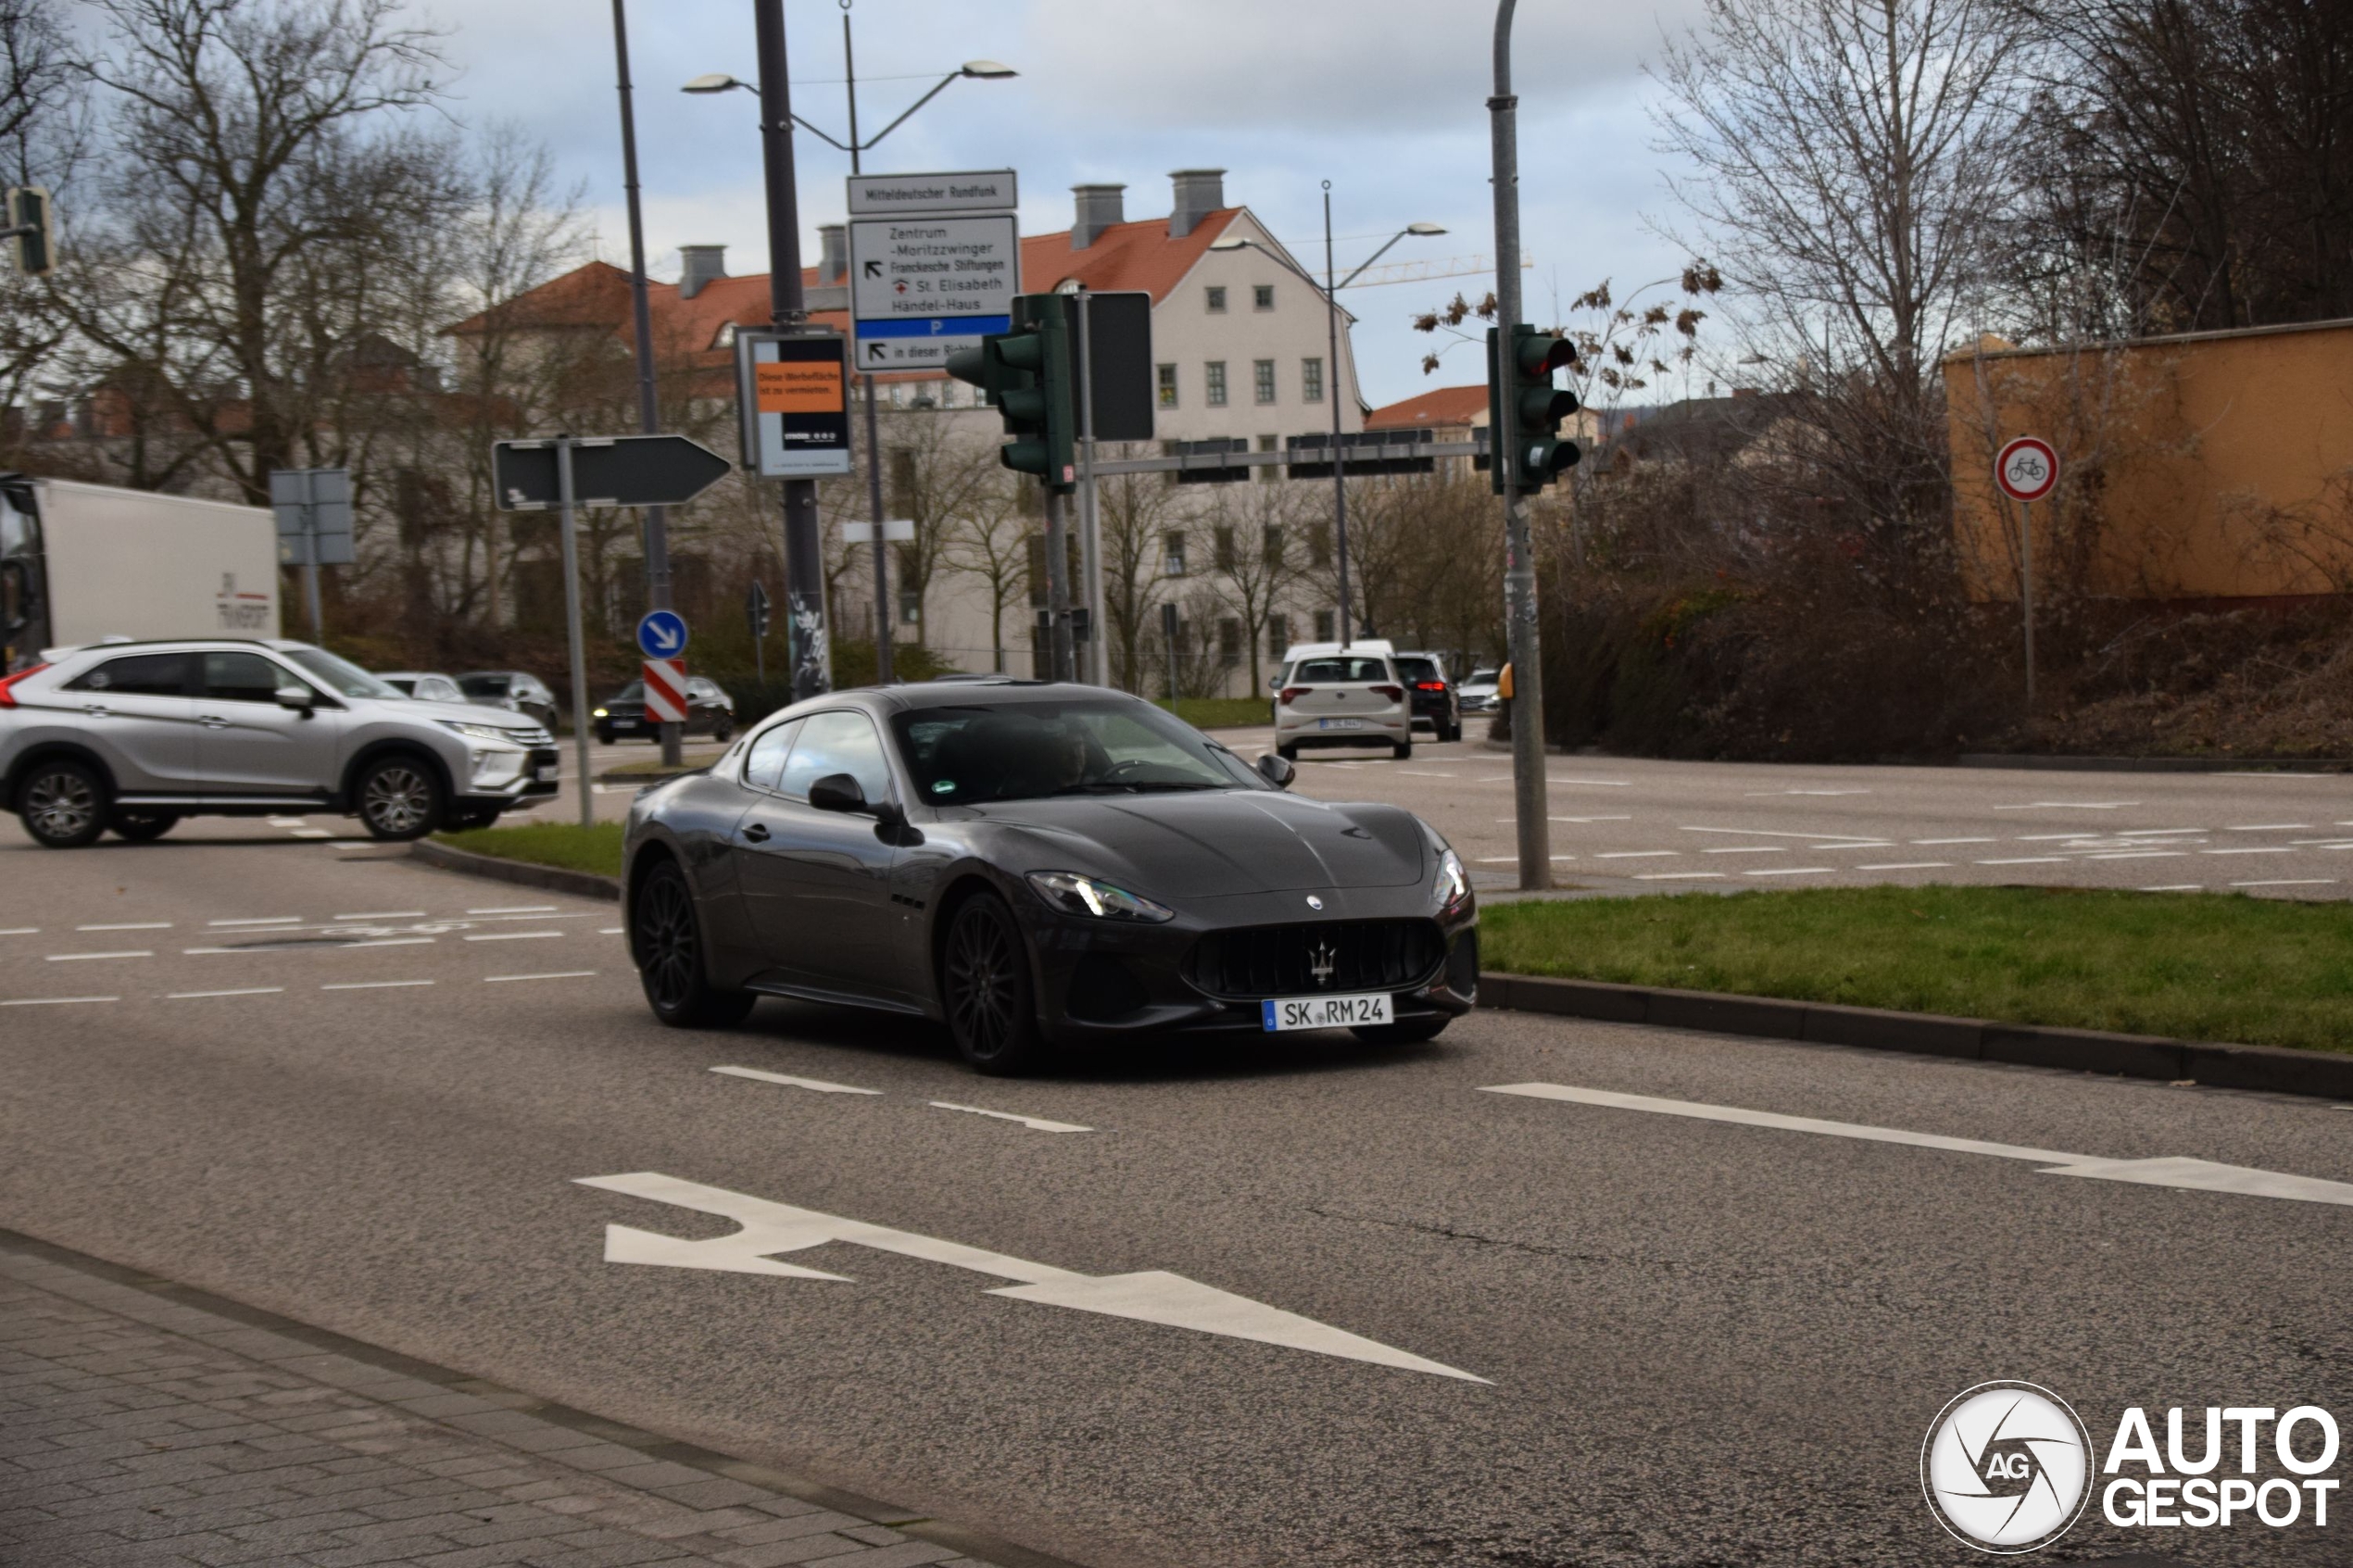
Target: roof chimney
699 265
1099 206
833 264
1200 191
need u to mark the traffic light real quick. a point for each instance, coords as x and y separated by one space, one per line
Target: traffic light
1027 375
1538 408
26 222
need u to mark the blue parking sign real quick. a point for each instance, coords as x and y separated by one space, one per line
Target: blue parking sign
663 635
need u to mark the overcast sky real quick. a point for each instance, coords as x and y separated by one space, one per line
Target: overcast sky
1385 98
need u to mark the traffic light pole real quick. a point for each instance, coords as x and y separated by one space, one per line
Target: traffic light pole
804 558
884 675
1058 580
1530 804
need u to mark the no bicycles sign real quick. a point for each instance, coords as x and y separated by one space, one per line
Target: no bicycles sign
2026 468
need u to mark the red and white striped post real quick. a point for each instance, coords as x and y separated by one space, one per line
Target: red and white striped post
666 690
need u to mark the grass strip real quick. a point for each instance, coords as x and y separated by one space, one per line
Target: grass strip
1221 712
2197 966
567 844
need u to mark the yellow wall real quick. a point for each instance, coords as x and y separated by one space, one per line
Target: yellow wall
2211 466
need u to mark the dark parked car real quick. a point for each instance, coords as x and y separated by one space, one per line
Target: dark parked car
710 712
1431 694
1037 865
517 691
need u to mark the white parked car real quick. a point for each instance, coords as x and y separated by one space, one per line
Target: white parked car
425 686
1332 697
1478 694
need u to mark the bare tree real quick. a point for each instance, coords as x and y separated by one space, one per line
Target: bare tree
988 540
1135 513
1255 547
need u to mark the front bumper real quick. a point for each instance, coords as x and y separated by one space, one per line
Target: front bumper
1105 980
1376 729
536 779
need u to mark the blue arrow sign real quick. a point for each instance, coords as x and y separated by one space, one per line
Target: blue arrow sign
662 633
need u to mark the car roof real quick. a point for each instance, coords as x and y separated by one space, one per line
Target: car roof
133 645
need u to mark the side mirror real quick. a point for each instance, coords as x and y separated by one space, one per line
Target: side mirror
1276 771
837 791
302 699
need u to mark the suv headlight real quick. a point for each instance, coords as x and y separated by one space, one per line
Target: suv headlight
1453 886
496 734
1076 895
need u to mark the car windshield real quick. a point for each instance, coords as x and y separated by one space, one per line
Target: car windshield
1412 668
1339 671
634 692
483 685
1482 678
340 675
973 753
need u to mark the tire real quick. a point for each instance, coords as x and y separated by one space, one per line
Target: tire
399 797
723 731
1288 753
1411 1033
63 804
665 942
1453 733
987 991
143 826
604 737
1401 749
466 822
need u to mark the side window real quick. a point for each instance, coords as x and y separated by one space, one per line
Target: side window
242 677
837 743
144 674
764 764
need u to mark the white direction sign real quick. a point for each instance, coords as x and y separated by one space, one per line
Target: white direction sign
1149 1297
981 190
921 287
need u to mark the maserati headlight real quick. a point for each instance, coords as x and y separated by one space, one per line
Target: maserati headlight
496 733
1453 886
602 714
1076 895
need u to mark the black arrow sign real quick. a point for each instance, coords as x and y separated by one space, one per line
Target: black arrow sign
874 351
874 269
612 470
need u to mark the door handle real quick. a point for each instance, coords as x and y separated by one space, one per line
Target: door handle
212 722
756 834
97 710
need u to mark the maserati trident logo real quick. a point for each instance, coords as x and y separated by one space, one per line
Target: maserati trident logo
1314 902
1324 964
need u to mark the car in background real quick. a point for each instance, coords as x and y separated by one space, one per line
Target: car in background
710 712
517 691
132 736
1343 699
1431 694
1477 694
425 686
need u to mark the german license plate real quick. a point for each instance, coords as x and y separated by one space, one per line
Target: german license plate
624 723
1340 723
1323 1012
548 773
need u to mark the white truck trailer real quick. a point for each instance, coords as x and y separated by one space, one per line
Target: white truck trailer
82 562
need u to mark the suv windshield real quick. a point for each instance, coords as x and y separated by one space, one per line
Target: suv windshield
340 675
975 753
1412 668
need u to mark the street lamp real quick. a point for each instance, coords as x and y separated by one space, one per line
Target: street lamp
1330 288
976 70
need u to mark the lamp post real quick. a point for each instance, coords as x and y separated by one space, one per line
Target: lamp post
1330 288
979 70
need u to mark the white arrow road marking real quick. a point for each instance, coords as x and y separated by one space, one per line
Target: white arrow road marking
2172 1171
1035 1123
1150 1296
787 1079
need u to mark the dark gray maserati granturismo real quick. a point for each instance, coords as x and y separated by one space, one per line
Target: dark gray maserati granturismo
1038 866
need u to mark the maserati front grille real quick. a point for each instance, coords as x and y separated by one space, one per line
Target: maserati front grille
1336 956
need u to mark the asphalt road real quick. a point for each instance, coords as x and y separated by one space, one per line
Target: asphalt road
364 1094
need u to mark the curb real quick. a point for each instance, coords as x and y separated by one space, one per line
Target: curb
2267 1068
653 1444
553 879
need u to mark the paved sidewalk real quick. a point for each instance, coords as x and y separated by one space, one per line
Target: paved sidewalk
146 1427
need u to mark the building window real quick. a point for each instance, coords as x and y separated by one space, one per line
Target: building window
1168 386
1261 297
1270 544
1215 372
1172 554
911 607
1224 538
1269 473
1319 546
1217 300
1262 373
1327 626
1277 635
1229 642
1311 378
725 336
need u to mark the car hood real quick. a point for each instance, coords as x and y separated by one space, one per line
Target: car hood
460 713
1220 842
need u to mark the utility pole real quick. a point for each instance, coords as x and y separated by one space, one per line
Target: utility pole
657 536
884 675
1331 391
804 562
1529 801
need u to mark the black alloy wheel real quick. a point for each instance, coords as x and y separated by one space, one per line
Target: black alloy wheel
400 798
63 805
141 826
665 941
985 988
1412 1031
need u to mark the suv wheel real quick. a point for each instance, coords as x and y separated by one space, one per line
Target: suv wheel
63 805
400 798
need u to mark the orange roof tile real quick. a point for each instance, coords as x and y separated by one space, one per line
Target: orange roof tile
1440 405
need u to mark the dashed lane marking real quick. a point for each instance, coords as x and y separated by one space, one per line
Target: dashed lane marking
612 931
1938 843
2069 806
78 957
2140 855
259 920
1035 1123
54 1001
1907 866
1750 849
2154 832
132 925
1862 840
560 974
2176 888
1762 792
1639 855
2292 881
2026 860
384 914
513 935
1512 859
374 984
311 832
517 910
1793 871
1680 876
242 991
820 1086
2266 827
21 931
387 942
1598 784
2256 849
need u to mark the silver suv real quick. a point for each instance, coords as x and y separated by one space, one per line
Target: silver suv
133 736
